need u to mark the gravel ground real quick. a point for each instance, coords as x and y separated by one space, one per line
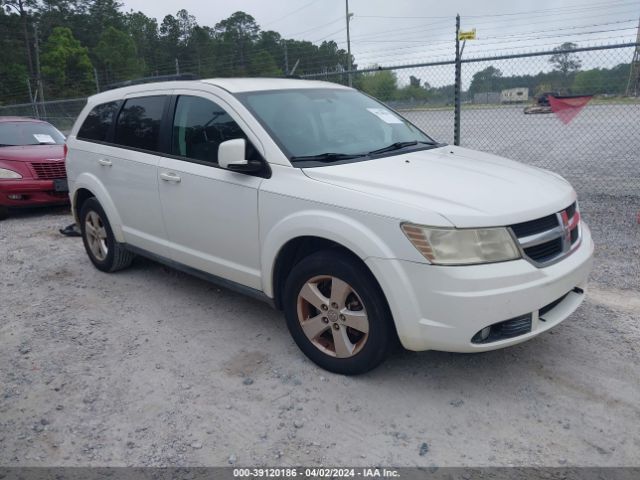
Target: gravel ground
152 367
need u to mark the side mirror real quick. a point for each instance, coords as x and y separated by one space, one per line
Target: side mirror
231 155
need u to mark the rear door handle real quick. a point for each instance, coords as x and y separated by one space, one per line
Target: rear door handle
170 177
104 162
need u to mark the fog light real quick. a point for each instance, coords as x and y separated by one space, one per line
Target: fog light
14 196
484 333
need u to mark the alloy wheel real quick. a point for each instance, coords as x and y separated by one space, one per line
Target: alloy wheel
96 236
333 316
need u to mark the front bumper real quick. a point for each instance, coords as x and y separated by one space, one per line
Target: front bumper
32 193
442 308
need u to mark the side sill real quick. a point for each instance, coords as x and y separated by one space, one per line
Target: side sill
222 282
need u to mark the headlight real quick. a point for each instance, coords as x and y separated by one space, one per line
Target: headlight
451 246
5 173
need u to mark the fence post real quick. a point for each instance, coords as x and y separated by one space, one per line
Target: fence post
457 88
95 77
31 100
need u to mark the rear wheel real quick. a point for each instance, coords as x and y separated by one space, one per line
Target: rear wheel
337 314
99 242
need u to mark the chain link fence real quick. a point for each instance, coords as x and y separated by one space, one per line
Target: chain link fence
504 110
598 149
60 113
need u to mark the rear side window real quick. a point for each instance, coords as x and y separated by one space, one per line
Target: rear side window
97 124
139 121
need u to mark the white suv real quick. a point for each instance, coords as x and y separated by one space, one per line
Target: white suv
333 208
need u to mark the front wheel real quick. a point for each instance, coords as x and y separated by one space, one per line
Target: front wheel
337 313
99 242
4 212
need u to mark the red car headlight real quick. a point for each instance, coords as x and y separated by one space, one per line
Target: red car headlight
6 174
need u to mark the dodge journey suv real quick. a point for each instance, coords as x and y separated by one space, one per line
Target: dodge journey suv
335 209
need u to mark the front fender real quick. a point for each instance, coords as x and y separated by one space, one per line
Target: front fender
90 182
340 228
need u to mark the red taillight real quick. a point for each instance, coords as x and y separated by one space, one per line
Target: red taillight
66 149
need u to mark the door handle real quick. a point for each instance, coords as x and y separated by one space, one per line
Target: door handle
170 177
104 162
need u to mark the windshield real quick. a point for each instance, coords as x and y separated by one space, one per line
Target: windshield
29 133
315 122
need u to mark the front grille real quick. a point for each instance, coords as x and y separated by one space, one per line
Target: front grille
548 239
545 251
535 226
49 170
574 235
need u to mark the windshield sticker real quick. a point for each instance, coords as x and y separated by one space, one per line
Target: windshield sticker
43 138
385 115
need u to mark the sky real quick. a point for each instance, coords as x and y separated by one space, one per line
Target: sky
396 32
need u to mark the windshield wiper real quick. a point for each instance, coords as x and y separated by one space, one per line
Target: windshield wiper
399 146
328 157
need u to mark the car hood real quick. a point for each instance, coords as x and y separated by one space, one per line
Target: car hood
467 187
32 153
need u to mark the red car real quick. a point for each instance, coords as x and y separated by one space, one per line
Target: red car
32 171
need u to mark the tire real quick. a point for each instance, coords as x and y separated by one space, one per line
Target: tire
101 246
330 334
4 212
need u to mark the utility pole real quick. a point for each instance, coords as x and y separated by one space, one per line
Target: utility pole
349 66
38 76
25 32
457 88
31 99
177 67
286 58
95 77
633 85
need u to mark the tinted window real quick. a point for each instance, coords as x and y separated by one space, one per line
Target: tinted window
96 125
199 127
139 122
29 133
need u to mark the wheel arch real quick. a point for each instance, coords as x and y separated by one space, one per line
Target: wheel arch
293 239
88 186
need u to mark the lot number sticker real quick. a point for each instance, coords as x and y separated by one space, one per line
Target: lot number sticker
42 138
385 115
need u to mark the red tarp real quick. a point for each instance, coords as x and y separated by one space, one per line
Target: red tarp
568 107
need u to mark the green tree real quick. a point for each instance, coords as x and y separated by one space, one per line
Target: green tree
23 8
13 63
271 43
237 35
414 92
116 56
200 48
487 80
92 17
602 80
263 64
381 85
66 67
565 62
144 32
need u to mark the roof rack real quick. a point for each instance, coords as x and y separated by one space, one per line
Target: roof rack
143 80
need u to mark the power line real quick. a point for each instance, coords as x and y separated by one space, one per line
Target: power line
291 13
556 10
339 19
